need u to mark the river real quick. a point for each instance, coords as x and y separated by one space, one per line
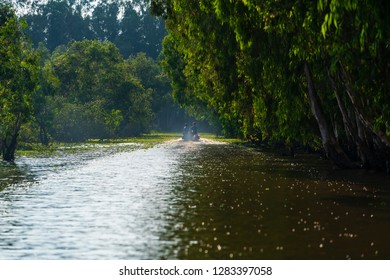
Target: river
190 200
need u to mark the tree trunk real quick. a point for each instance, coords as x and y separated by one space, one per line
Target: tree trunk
358 106
9 150
365 154
332 148
43 137
9 142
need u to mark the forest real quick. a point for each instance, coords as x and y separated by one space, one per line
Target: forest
302 73
310 75
70 76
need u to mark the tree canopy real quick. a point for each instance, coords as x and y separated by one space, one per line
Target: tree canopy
73 88
301 73
90 91
312 73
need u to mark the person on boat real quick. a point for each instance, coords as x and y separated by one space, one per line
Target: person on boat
186 130
194 129
194 132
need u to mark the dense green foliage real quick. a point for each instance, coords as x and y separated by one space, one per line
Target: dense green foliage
90 91
80 89
313 73
303 73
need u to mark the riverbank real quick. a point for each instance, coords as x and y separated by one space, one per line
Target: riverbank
143 141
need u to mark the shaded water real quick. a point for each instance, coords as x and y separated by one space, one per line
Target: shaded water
186 200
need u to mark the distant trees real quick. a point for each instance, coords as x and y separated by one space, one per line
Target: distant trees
18 80
313 73
90 91
128 24
71 88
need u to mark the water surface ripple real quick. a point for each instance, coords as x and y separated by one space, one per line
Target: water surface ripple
190 201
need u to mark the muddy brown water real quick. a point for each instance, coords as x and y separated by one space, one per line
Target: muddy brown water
186 200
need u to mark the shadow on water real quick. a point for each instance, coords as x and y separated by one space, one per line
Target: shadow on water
241 204
12 174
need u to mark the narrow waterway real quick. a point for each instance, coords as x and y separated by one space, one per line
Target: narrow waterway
186 200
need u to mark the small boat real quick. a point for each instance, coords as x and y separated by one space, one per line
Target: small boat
190 137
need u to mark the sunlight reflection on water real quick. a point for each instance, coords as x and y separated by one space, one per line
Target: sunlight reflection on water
191 201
